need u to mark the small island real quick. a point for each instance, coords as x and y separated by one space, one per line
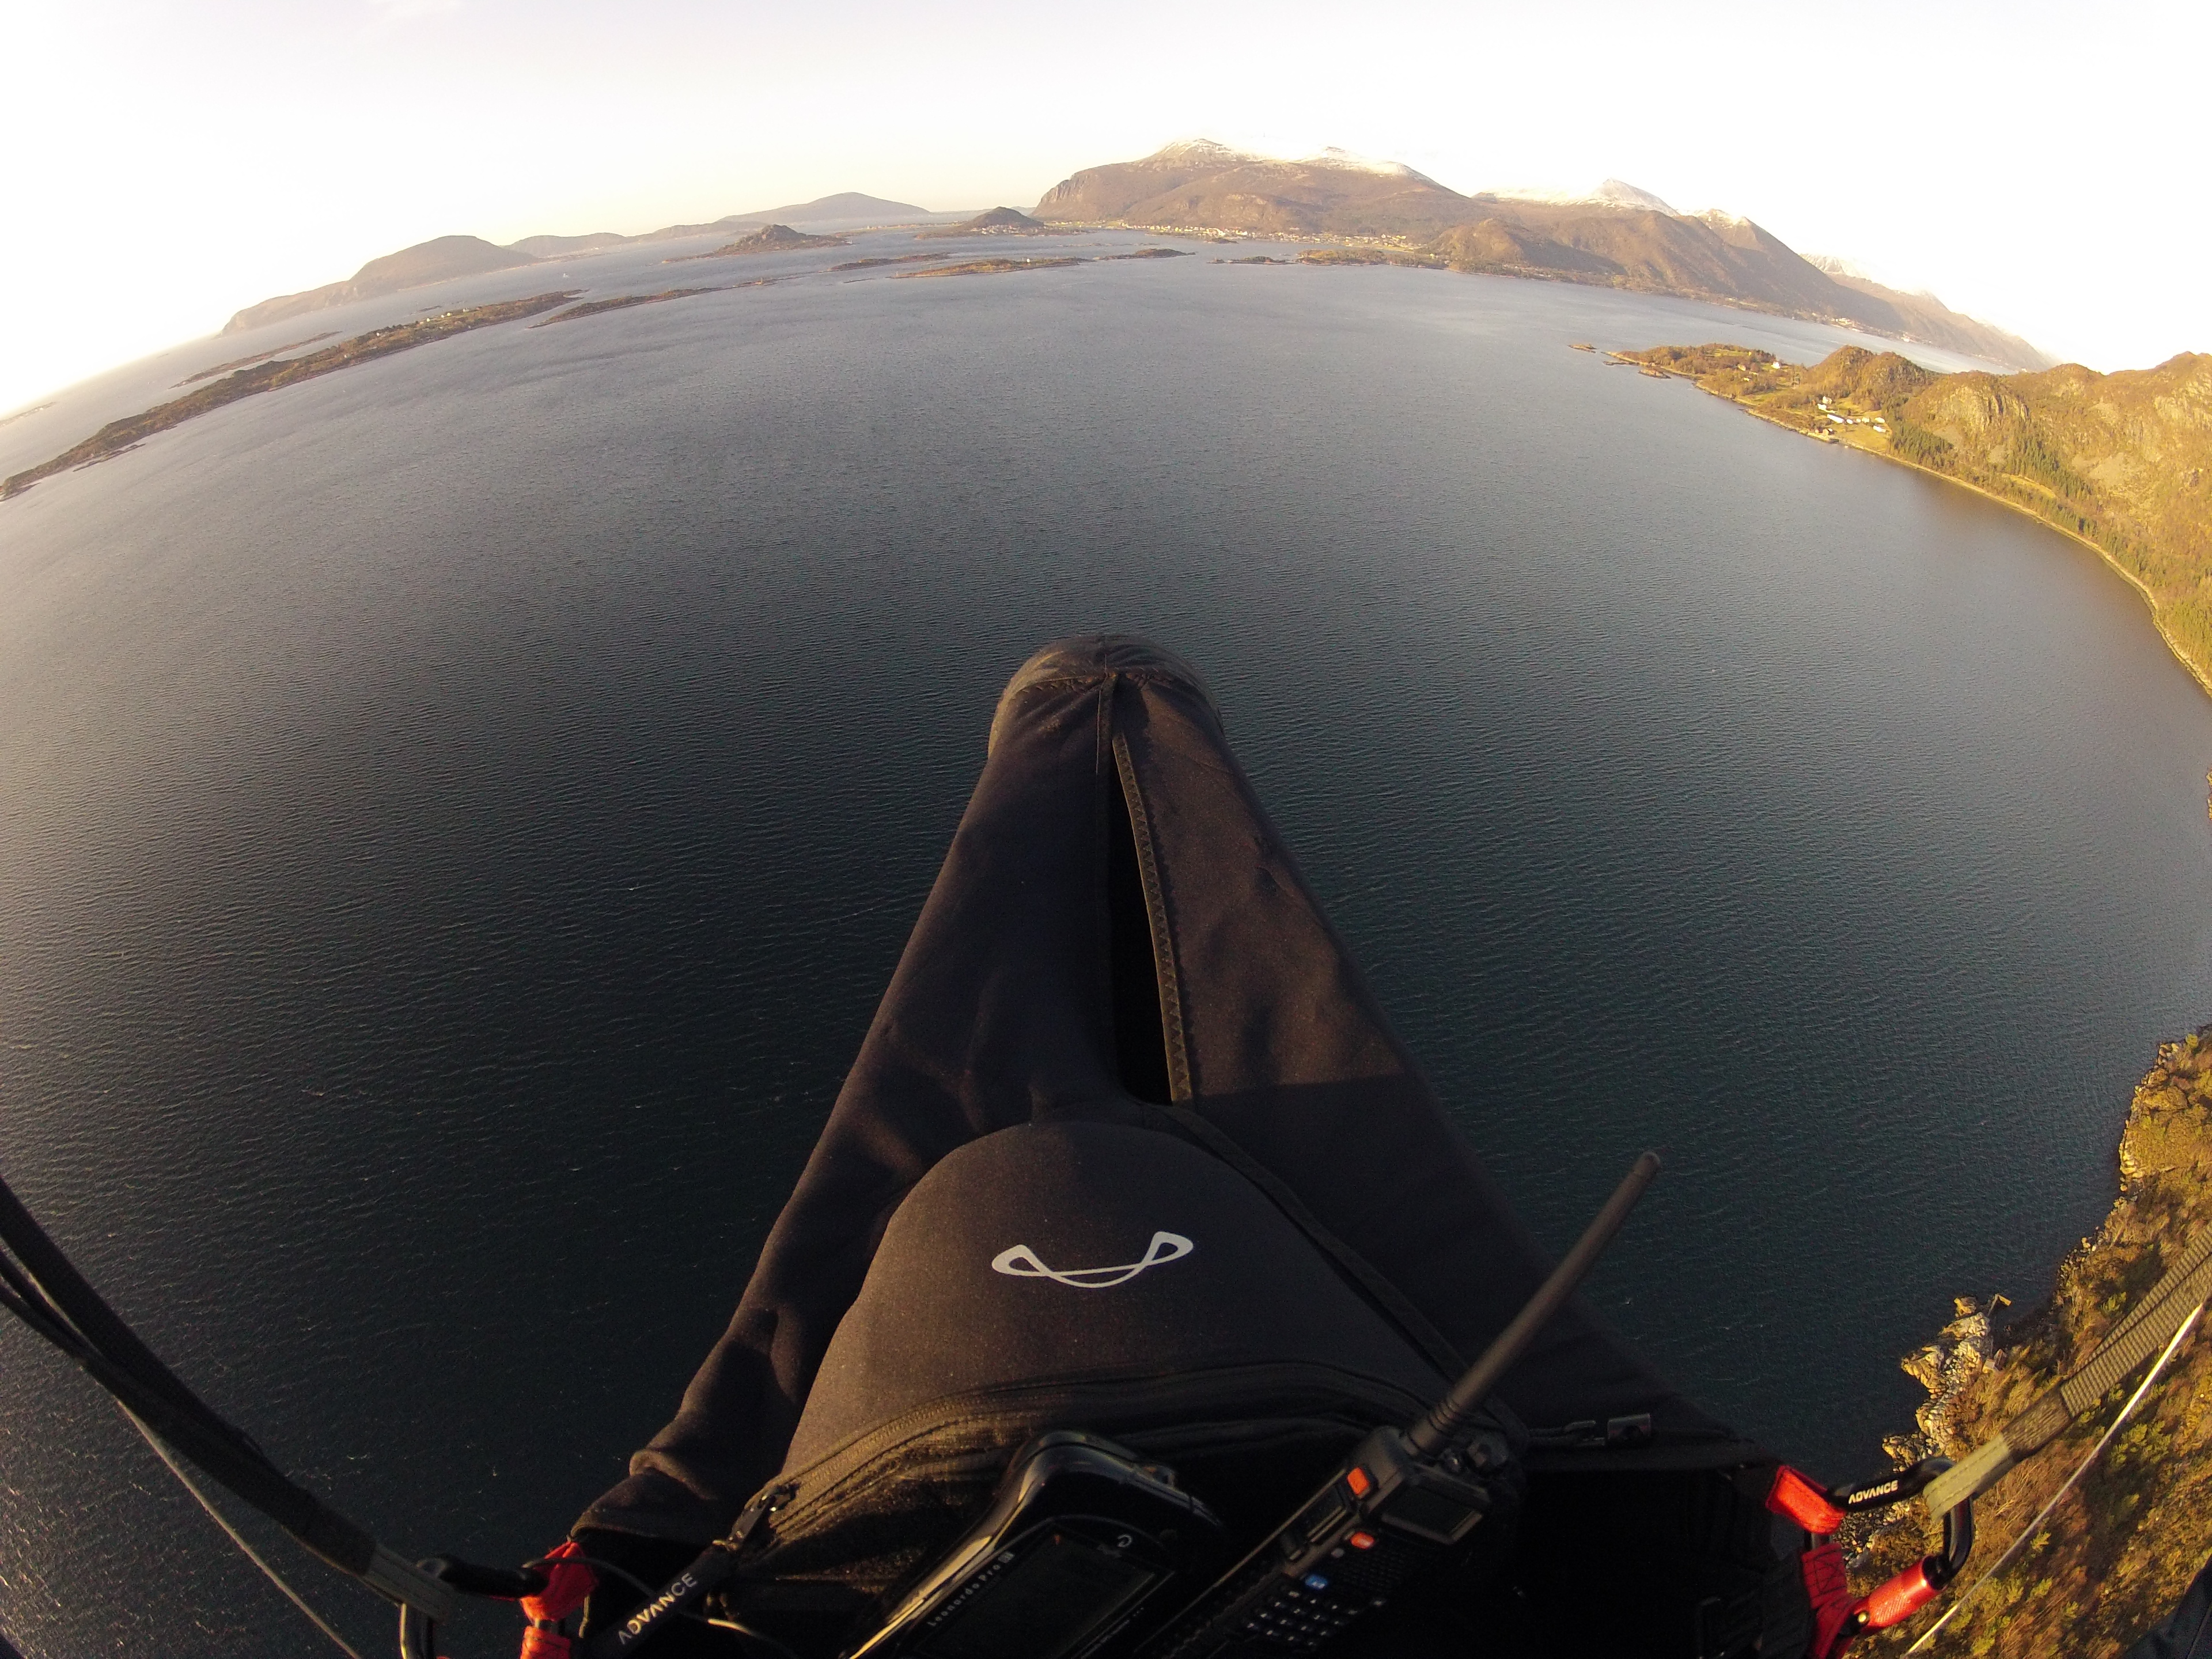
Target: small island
1369 256
987 267
869 263
2117 461
769 238
993 222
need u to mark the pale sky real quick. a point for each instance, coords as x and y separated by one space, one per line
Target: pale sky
168 162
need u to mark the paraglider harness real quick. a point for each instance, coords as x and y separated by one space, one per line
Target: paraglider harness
1075 1555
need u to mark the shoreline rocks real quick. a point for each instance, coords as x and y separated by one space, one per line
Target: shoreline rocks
2121 1550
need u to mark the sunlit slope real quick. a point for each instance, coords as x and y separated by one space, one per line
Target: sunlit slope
2118 1552
1618 237
2118 459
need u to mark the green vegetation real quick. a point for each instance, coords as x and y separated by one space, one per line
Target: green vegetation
2118 1553
2115 460
1917 445
117 436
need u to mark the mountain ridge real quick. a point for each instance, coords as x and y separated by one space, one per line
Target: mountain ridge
443 258
1618 235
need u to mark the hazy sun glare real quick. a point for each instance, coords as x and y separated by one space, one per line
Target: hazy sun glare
2036 166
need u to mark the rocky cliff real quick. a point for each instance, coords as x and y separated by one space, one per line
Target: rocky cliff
2121 1548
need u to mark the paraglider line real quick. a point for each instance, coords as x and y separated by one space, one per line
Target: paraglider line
237 1537
2042 1514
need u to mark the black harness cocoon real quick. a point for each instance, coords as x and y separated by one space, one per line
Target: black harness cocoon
1129 1148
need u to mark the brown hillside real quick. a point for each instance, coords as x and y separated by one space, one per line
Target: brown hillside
1623 240
554 247
1710 257
1199 184
2120 460
1733 262
1924 317
433 261
1499 244
992 221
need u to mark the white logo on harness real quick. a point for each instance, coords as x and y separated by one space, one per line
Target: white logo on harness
1021 1262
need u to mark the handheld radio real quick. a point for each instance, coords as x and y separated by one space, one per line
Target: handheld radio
1399 1503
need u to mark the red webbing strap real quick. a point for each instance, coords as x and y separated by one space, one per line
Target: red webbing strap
1830 1592
568 1586
1809 1506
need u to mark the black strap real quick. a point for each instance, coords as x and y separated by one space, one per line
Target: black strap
47 1293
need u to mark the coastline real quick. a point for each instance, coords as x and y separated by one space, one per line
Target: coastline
2202 673
2115 1556
119 437
1406 250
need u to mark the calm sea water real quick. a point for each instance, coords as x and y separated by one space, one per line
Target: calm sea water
457 817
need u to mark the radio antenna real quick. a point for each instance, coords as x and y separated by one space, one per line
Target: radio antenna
1451 1415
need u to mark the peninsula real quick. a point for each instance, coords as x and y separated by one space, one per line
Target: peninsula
2118 461
988 267
117 436
874 260
446 256
1616 236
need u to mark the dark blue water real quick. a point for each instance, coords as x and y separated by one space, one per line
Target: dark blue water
457 816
